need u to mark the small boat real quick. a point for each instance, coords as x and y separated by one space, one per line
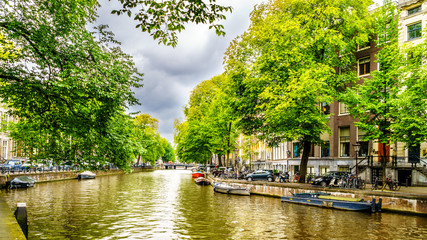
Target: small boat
326 200
231 189
86 175
202 181
22 182
197 173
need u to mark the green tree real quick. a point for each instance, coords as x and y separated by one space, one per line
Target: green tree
169 152
373 102
286 64
410 126
210 124
67 85
151 146
191 142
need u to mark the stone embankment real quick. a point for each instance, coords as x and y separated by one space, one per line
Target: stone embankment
58 176
411 200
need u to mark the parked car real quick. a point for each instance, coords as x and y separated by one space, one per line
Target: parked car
261 175
12 165
326 179
31 165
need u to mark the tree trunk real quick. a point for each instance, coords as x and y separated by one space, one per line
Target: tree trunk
228 144
304 160
219 161
384 161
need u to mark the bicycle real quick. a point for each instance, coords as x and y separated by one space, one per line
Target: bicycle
392 185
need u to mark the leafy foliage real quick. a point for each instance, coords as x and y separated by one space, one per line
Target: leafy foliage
286 64
64 84
163 19
70 89
209 127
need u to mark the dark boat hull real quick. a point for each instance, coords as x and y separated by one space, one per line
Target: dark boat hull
231 189
85 177
202 181
337 204
21 182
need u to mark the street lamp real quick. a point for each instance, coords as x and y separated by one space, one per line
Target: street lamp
356 147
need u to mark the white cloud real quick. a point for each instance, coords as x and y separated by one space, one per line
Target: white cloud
171 73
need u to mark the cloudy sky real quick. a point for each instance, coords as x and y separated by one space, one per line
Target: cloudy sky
171 73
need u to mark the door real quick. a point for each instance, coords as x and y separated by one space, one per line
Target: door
404 177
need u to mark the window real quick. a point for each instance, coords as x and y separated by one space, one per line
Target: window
343 108
311 154
364 145
345 142
323 170
296 149
414 10
14 149
414 31
344 168
325 149
326 108
364 66
4 153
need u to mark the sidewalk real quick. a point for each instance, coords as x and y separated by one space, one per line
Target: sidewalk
405 190
9 228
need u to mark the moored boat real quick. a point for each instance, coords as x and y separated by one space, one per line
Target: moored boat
197 173
328 201
86 175
222 187
202 181
22 182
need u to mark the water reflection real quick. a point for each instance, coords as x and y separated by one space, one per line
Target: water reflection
168 205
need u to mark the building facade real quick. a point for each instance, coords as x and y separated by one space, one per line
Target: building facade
338 152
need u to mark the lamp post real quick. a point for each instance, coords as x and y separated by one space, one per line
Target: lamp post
236 158
356 147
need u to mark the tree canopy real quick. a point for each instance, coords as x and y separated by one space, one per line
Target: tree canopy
209 127
69 86
286 64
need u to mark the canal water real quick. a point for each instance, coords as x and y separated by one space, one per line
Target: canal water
166 204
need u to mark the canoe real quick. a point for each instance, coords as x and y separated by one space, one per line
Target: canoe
202 181
231 189
327 201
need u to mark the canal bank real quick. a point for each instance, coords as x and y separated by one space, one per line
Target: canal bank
9 227
62 175
411 200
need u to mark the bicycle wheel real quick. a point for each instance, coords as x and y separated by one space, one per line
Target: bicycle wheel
362 184
396 186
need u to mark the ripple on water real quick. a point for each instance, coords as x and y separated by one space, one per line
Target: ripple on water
168 205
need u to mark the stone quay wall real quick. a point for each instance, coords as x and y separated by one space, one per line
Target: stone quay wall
61 175
412 203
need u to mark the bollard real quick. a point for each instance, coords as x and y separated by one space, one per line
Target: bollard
21 217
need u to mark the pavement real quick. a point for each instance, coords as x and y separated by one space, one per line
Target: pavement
9 227
403 189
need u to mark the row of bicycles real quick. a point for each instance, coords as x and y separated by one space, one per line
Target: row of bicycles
348 181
